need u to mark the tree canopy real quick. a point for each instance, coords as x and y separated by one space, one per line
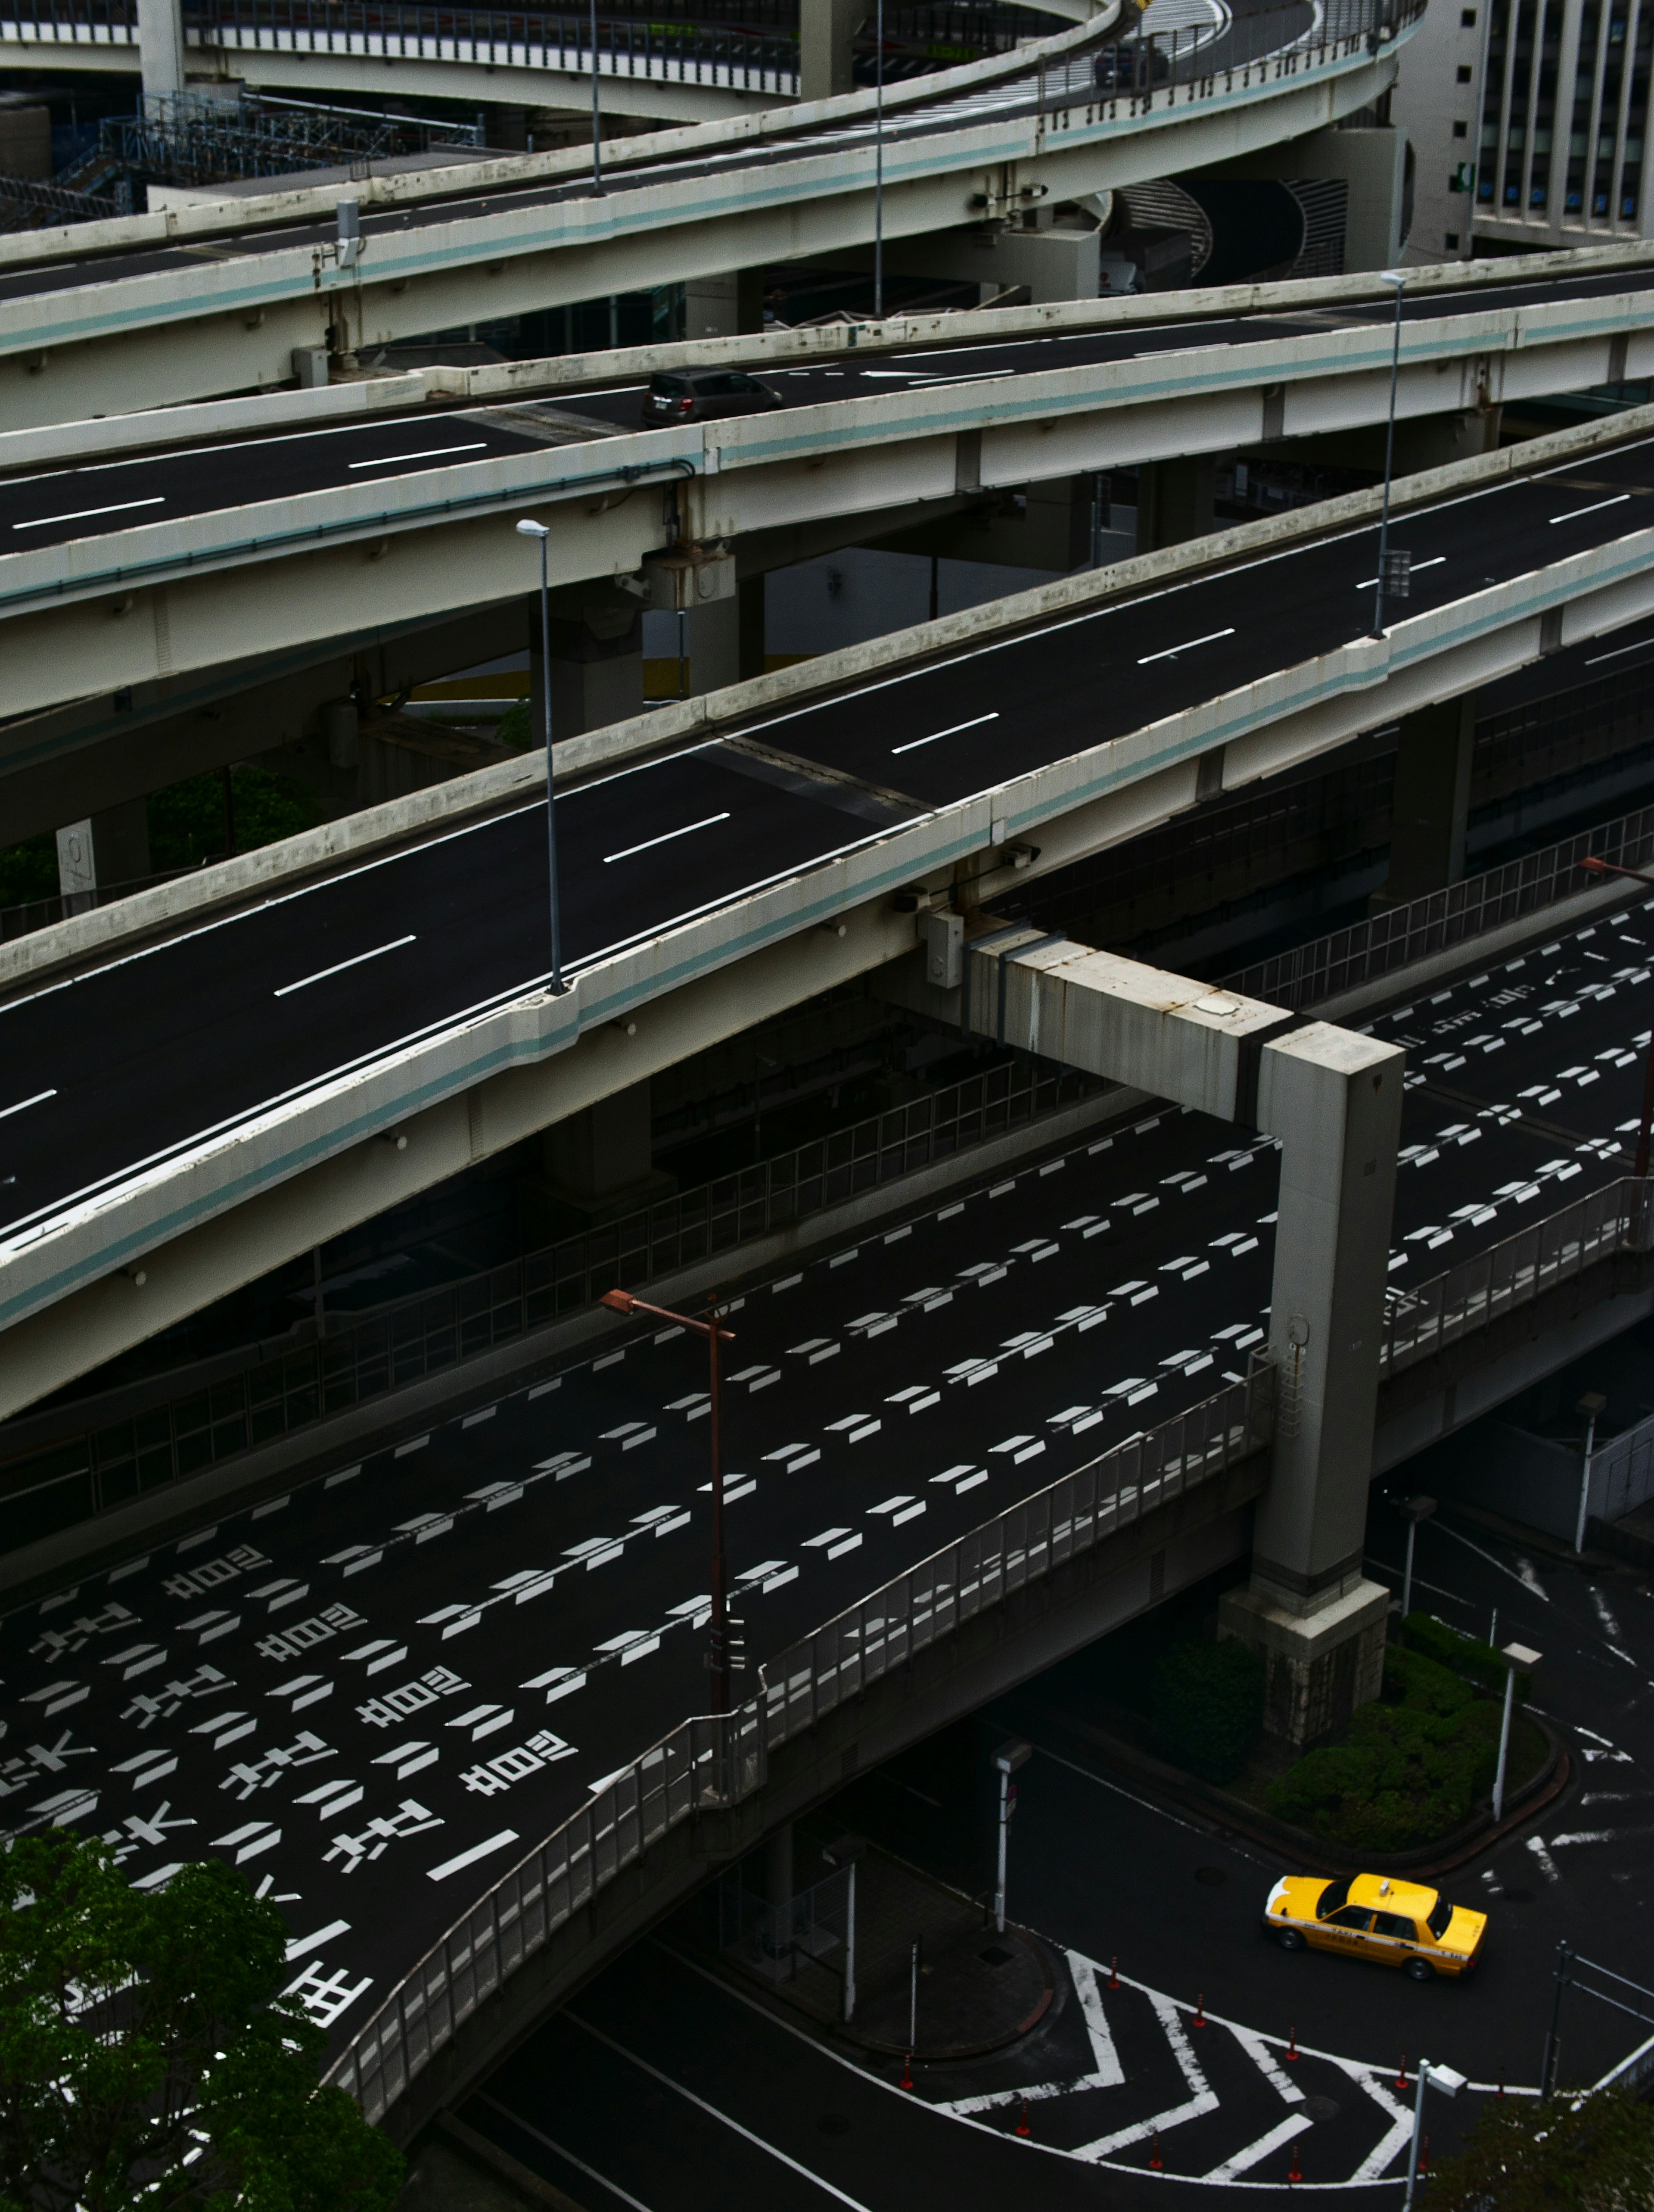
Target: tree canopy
1590 2149
147 2058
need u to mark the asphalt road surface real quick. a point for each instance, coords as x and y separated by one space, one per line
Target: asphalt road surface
223 1022
48 507
374 1694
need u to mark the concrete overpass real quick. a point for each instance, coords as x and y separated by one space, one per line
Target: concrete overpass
300 528
258 1132
151 310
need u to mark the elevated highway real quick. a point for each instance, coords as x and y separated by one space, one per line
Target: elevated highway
167 560
151 310
266 1027
328 1686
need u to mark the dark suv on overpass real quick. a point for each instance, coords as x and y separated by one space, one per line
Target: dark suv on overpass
705 395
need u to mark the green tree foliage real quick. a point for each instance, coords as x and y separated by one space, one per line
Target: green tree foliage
186 820
146 2059
1595 2150
1208 1707
1412 1767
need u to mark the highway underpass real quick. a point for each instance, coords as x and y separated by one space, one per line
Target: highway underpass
345 1689
140 311
259 1048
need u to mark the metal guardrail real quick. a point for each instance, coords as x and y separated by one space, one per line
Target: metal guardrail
1420 1323
53 1486
1311 974
710 1764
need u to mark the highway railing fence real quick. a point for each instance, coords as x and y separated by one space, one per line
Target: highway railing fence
1367 951
72 1478
1515 1272
709 1763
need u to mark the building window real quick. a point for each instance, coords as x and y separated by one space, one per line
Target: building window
1460 130
1468 18
1464 72
1450 238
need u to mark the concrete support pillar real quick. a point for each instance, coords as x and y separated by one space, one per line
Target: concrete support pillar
724 306
715 641
600 1160
1335 1101
596 661
160 38
1432 801
1174 500
106 848
825 28
751 652
1060 261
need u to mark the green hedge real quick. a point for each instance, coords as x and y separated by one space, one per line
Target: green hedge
1465 1655
1414 1766
1208 1707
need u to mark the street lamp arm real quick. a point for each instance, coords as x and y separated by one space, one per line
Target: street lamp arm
622 1302
1613 868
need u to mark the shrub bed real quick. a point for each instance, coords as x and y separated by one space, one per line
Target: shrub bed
1413 1767
1208 1707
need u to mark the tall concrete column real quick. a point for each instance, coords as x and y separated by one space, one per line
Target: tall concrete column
825 30
1174 500
749 596
596 661
600 1161
1432 811
728 306
715 641
1334 1098
160 39
103 849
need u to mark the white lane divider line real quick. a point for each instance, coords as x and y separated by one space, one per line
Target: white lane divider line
494 1842
1417 570
1202 2101
712 2111
426 453
1396 2137
1280 2134
1264 2058
39 1099
1574 512
952 731
1106 2072
86 514
339 966
1548 1865
665 838
1171 652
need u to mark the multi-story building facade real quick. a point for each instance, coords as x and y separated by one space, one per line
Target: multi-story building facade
1530 121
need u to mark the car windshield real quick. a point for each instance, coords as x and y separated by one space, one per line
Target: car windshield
1441 1913
1335 1894
669 387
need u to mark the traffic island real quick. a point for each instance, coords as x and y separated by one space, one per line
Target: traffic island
933 1979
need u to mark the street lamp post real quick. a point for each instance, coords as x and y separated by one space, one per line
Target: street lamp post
527 529
622 1302
878 167
1007 1760
1449 2081
596 119
1613 868
1397 278
1416 1510
1593 1404
1515 1655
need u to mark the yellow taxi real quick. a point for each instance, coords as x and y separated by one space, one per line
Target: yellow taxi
1377 1917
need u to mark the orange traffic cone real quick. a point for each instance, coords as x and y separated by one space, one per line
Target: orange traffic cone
907 2081
1291 2047
1114 1972
1294 2172
1424 2160
1022 2127
1401 2076
1156 2163
1199 2020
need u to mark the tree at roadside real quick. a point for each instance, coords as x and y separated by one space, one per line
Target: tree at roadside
147 2058
1593 2148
